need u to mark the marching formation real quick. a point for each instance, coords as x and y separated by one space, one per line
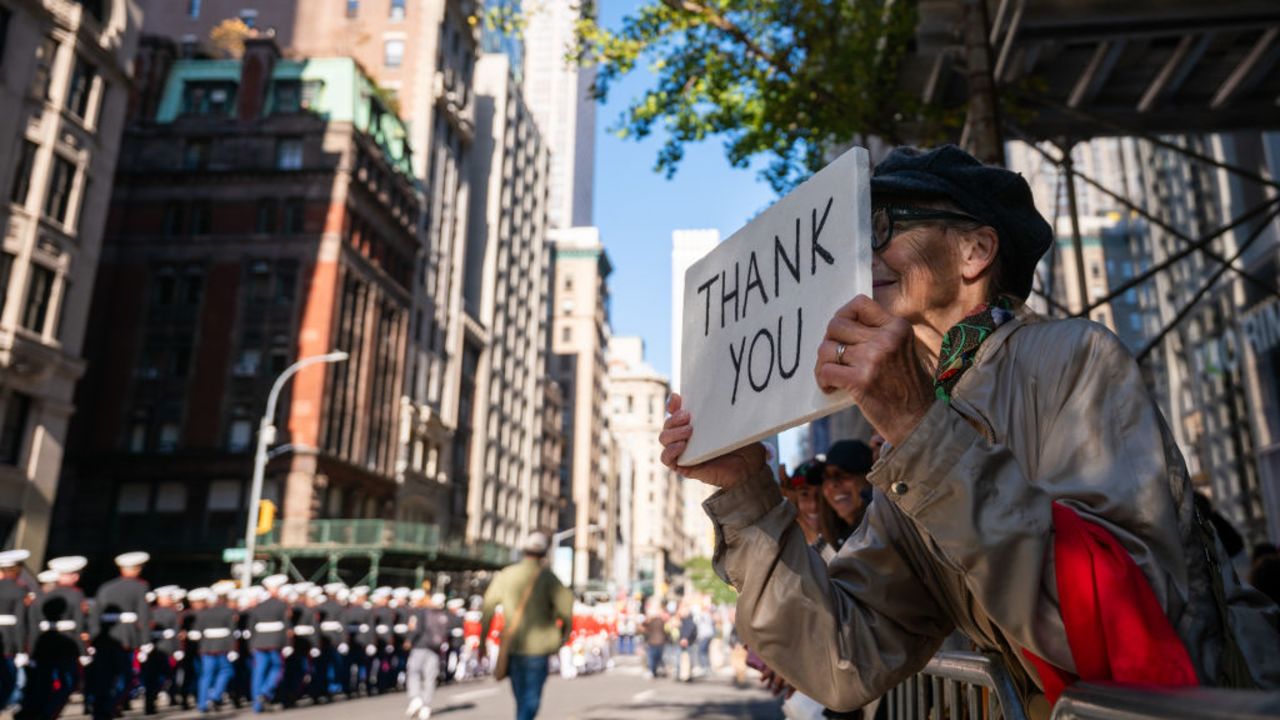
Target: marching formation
276 643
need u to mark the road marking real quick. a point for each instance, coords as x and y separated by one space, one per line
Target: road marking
643 695
476 694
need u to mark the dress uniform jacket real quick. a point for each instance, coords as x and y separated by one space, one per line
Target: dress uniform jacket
61 618
214 628
384 621
121 610
268 623
13 618
164 629
357 619
329 623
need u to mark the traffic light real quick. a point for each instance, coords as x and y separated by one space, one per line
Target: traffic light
266 516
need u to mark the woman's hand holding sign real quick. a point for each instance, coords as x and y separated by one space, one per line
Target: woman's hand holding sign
874 357
724 471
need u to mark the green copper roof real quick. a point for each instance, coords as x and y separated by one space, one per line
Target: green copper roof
342 93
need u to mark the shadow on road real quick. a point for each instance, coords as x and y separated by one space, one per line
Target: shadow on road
453 707
713 710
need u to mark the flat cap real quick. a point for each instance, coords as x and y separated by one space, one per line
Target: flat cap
998 197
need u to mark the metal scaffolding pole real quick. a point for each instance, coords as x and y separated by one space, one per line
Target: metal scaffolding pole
982 123
1077 244
1201 245
1204 289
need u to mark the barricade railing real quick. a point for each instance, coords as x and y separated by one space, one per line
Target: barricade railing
1095 702
957 686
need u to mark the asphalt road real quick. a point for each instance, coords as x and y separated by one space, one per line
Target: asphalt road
622 693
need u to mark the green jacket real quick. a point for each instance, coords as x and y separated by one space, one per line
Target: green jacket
550 601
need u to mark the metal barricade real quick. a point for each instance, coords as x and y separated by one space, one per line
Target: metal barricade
957 686
1095 702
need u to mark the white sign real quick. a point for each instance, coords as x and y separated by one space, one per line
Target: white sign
757 306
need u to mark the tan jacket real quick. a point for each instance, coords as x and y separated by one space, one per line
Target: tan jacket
959 534
550 601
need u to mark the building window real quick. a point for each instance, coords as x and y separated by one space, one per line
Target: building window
259 281
247 365
5 15
267 211
393 53
59 197
397 10
171 497
224 495
133 499
168 437
22 176
193 8
203 97
353 7
6 268
195 156
39 289
285 282
289 154
77 100
293 216
566 333
171 224
193 285
287 96
241 435
138 436
44 68
201 218
17 412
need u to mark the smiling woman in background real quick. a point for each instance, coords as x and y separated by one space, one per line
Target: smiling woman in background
1029 492
845 490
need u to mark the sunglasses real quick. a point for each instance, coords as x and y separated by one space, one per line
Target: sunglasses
886 218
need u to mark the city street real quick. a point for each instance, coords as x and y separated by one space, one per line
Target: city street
623 693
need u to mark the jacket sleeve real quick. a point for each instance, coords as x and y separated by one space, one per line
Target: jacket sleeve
492 596
842 634
563 599
1080 429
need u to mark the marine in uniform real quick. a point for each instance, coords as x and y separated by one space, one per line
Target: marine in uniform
119 624
159 665
13 622
361 639
58 647
383 619
213 628
269 628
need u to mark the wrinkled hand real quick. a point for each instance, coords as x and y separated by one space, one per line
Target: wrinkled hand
724 471
881 368
775 683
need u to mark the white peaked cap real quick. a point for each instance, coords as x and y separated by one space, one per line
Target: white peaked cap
341 594
438 599
47 576
13 558
200 594
67 565
333 587
274 582
400 592
223 587
456 603
360 590
168 590
132 559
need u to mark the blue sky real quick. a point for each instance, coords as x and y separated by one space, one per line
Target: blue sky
636 209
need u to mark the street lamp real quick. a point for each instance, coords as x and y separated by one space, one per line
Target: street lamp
266 436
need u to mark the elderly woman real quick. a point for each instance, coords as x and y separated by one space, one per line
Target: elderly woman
1029 494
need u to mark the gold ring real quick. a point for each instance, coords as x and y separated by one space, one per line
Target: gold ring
840 348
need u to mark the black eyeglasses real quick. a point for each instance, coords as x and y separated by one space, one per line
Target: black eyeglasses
885 217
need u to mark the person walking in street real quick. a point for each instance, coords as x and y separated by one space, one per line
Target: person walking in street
537 618
58 651
428 636
214 629
271 634
688 644
120 625
13 623
1027 476
158 665
655 639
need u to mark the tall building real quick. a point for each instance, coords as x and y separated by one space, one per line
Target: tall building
505 293
420 56
559 95
579 337
266 212
687 247
65 93
637 410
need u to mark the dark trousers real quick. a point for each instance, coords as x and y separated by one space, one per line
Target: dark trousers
215 675
268 666
110 679
656 653
157 675
49 687
528 674
8 680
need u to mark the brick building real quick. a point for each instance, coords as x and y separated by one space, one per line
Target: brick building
265 210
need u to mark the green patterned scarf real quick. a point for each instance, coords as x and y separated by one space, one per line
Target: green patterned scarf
960 344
